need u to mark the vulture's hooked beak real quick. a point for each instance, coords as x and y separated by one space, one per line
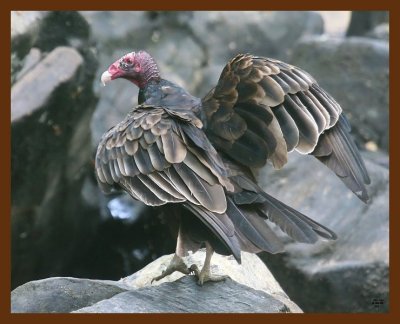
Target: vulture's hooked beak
106 77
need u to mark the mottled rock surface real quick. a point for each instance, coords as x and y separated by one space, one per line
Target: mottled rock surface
24 32
61 295
364 21
35 89
51 106
345 275
184 296
380 32
250 289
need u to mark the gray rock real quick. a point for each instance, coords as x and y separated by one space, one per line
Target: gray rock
345 275
52 104
46 30
24 29
112 25
31 59
335 22
185 296
35 89
250 289
259 33
355 71
217 32
23 22
363 22
59 28
61 295
252 273
380 32
24 32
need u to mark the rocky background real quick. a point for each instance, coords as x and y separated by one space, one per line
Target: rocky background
62 225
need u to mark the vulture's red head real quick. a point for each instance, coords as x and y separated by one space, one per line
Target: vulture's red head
137 67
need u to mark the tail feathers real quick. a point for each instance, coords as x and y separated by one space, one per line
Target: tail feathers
297 225
337 150
253 228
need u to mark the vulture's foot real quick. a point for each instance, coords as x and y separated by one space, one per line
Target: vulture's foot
176 264
205 275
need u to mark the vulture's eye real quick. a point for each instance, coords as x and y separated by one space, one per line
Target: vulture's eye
126 63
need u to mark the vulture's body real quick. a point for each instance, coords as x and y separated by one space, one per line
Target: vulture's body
174 148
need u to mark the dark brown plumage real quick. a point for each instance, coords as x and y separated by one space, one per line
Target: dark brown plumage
177 149
269 108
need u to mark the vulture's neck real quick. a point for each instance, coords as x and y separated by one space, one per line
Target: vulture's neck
148 89
150 73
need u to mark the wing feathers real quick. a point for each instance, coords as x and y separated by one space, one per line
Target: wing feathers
211 197
157 158
289 128
143 161
338 152
308 132
174 149
239 122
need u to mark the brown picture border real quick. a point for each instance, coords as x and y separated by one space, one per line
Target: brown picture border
5 268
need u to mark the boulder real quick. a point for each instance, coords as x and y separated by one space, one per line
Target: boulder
24 31
250 289
363 22
346 275
380 32
46 30
184 296
35 89
61 294
260 33
355 71
31 59
335 22
51 105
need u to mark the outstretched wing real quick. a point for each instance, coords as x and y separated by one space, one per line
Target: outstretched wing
261 109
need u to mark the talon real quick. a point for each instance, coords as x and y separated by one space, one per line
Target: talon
162 275
205 274
176 264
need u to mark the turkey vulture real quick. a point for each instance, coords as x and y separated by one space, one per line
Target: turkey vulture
176 149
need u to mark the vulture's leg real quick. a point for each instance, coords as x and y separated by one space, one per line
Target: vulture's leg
205 274
176 264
